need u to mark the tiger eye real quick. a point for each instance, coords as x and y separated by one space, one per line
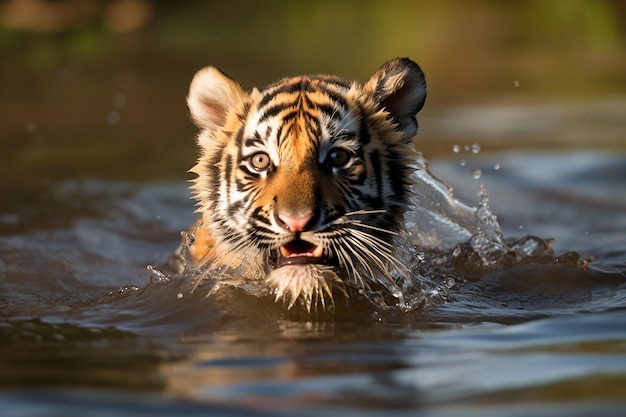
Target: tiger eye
338 157
260 161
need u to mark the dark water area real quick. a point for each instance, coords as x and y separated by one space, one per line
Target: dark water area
96 142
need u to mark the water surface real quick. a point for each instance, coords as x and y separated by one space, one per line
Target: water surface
81 317
95 143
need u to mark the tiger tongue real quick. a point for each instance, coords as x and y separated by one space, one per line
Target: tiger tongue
299 247
300 252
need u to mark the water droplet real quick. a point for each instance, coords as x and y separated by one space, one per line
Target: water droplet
31 127
157 275
496 167
516 83
10 219
476 173
449 282
119 101
113 117
456 149
462 163
467 148
520 227
475 148
179 295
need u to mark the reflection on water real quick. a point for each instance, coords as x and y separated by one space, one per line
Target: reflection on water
87 316
96 141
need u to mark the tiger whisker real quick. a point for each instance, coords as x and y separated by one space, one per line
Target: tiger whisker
358 255
369 244
361 212
373 240
368 226
373 249
346 260
347 120
366 251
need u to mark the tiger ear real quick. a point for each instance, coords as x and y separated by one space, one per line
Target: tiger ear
212 95
399 87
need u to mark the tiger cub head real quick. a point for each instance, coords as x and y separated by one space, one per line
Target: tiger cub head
304 184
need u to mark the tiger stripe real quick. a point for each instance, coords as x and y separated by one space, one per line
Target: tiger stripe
327 188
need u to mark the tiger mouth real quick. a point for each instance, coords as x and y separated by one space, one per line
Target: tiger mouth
300 252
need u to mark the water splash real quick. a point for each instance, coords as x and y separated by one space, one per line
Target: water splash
436 219
455 244
445 242
487 241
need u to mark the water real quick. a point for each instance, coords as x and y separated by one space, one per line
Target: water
506 314
525 327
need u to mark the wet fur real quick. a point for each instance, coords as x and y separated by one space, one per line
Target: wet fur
299 123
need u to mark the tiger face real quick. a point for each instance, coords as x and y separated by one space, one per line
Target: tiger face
303 184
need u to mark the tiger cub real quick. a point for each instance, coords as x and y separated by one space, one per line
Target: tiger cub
303 185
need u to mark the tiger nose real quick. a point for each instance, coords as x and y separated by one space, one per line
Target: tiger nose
295 224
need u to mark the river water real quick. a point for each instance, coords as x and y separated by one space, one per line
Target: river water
85 330
517 308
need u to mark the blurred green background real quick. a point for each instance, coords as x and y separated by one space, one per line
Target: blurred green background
96 89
